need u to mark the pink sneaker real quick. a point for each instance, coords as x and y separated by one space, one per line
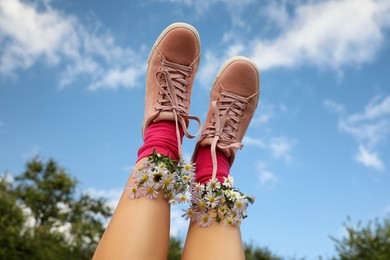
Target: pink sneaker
172 65
234 98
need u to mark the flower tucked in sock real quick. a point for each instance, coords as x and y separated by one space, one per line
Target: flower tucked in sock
160 173
215 198
161 137
212 199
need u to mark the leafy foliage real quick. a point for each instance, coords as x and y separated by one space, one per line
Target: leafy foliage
44 218
175 249
257 253
365 242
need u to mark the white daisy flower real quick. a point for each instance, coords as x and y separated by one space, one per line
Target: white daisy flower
144 177
201 205
229 220
161 166
189 214
147 164
133 194
186 179
240 204
228 182
199 187
182 198
167 181
189 167
148 190
212 199
205 220
213 184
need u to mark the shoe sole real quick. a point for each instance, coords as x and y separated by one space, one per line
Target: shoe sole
171 27
230 61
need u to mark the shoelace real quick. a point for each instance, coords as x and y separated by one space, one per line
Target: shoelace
228 111
174 89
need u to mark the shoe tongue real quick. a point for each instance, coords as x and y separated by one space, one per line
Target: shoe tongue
164 116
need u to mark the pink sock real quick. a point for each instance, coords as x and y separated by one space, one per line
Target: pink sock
204 165
161 136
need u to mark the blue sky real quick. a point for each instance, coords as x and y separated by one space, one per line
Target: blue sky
72 79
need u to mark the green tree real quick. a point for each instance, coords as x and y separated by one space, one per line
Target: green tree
365 242
63 224
257 253
175 248
11 223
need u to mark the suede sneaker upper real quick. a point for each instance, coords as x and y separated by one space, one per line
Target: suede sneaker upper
233 101
172 65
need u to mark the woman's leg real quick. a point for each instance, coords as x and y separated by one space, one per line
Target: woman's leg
139 228
217 241
234 98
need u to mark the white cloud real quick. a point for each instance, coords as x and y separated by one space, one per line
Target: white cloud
315 33
323 34
249 140
265 176
376 108
333 106
266 111
112 195
281 147
264 118
210 66
369 128
201 7
367 132
118 77
369 159
50 36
